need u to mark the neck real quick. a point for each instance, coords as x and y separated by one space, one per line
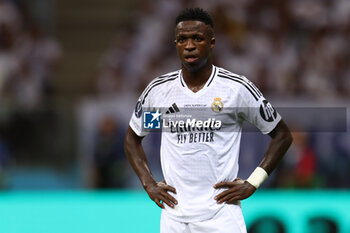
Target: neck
196 80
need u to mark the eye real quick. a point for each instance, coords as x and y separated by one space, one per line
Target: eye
180 40
198 38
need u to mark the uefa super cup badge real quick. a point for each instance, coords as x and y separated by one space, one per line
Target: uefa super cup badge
217 105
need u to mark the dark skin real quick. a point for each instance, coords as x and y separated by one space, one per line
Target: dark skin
157 191
239 189
194 42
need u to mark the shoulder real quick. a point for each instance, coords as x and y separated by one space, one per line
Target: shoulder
230 78
159 83
238 82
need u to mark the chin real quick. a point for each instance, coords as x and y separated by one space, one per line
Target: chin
194 68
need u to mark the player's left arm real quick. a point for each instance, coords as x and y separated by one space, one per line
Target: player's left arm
239 189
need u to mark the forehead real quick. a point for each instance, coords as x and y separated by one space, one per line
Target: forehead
191 27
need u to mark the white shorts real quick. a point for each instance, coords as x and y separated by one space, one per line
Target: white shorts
228 220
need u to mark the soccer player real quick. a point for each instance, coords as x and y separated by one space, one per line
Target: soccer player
201 191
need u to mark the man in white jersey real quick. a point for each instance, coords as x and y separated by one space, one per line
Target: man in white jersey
199 161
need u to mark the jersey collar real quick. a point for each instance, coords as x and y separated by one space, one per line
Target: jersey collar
206 85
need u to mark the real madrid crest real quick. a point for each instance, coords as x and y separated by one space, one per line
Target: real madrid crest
217 105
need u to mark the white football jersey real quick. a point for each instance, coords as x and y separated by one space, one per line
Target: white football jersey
199 152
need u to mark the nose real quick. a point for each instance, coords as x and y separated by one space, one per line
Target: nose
190 45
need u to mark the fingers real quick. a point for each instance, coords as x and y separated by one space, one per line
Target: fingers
223 194
163 185
226 195
171 198
236 191
233 200
233 186
227 198
171 189
167 199
222 185
228 184
159 203
161 195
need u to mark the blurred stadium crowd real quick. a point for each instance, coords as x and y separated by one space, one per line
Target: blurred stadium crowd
288 48
291 50
27 58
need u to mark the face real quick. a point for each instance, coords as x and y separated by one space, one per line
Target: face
194 42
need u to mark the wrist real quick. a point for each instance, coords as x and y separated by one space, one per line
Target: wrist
258 177
148 183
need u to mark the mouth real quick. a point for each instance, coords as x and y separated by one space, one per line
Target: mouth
191 58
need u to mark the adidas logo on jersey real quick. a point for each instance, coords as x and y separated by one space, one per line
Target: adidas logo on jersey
172 109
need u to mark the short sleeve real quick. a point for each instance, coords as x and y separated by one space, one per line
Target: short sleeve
255 109
136 118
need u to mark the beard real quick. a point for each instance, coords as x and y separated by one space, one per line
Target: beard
195 67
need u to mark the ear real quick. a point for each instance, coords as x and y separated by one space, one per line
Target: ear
212 42
175 41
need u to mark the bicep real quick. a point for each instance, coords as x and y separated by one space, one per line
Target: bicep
281 130
131 138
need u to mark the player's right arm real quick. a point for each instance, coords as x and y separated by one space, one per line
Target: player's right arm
157 191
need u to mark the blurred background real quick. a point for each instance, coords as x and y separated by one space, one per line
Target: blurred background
71 73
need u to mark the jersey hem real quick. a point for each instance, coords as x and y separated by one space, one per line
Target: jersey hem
133 127
272 126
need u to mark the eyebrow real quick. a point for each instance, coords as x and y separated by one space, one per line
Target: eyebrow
190 33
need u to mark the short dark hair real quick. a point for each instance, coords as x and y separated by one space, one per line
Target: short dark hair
196 14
